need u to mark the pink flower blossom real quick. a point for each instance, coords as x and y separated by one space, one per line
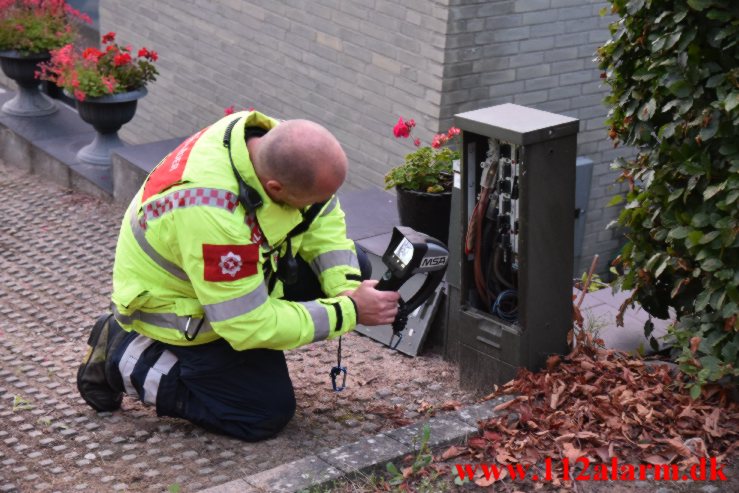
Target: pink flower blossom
410 123
68 9
63 56
109 83
401 129
109 37
79 95
417 142
439 140
453 132
228 111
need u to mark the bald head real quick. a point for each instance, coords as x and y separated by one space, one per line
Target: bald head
302 159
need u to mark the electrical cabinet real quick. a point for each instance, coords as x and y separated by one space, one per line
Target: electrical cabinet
511 242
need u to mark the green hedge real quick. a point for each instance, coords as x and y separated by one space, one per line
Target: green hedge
673 70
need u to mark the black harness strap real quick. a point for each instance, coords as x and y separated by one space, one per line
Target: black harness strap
287 267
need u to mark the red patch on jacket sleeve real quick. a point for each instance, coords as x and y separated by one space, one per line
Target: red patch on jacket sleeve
229 262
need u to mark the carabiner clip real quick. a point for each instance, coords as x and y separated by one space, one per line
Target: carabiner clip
335 371
186 332
399 335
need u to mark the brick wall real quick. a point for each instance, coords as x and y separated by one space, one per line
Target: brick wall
350 65
538 53
356 65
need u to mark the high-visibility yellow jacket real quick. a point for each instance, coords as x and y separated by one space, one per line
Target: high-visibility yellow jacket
191 261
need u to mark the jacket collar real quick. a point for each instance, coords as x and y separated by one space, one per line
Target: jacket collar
275 220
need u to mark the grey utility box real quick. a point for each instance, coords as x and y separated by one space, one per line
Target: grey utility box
510 285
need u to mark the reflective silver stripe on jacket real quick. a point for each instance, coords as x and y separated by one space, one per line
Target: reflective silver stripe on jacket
319 315
213 197
129 359
334 259
225 310
330 206
164 321
164 363
140 235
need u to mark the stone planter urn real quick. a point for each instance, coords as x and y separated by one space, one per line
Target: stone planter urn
29 101
425 212
107 114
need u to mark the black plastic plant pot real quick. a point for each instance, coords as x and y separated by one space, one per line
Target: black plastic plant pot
107 114
29 101
425 212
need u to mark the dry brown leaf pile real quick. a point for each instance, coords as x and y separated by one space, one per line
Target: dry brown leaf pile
395 414
601 404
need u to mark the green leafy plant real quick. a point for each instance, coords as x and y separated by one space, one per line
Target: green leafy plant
423 458
37 26
595 284
674 78
94 73
428 168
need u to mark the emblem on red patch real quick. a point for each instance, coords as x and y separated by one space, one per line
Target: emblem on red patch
229 262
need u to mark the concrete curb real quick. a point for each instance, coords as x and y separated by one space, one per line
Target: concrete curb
363 456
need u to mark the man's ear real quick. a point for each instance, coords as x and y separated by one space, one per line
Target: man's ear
273 187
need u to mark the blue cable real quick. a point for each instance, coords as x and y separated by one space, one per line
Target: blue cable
506 305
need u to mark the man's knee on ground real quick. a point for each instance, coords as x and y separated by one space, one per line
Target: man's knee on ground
274 419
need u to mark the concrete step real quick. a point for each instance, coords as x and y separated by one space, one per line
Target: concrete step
132 164
47 146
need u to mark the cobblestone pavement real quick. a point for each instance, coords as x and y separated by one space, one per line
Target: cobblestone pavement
56 254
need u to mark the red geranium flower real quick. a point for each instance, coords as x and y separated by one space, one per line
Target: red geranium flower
121 59
93 73
428 168
34 26
401 129
92 54
230 110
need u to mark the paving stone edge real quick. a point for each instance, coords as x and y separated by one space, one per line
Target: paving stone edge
364 456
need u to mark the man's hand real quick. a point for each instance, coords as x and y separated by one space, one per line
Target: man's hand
374 307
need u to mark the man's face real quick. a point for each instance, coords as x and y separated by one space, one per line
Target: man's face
301 199
323 189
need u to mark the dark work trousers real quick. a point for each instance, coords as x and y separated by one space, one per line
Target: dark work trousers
245 394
